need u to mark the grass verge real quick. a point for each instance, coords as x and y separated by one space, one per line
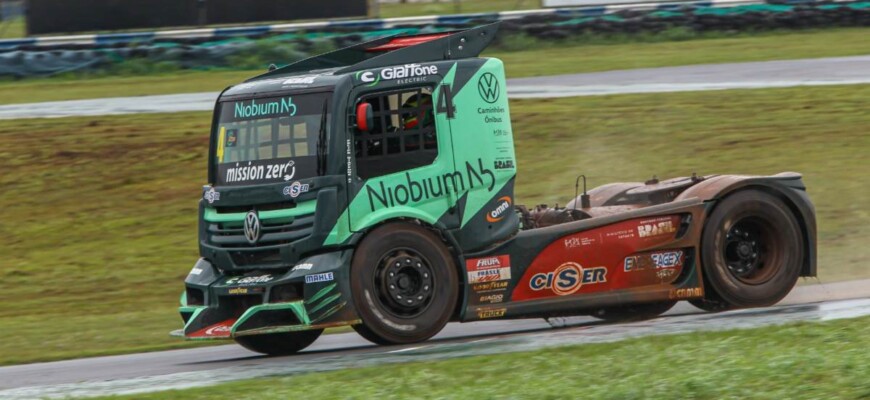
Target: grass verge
99 214
803 361
523 57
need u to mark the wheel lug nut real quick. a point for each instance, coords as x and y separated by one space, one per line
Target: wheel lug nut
418 265
398 296
392 286
419 297
392 274
425 274
426 287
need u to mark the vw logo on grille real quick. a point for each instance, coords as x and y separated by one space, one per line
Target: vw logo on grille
252 227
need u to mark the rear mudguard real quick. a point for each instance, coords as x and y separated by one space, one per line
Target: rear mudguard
314 294
624 254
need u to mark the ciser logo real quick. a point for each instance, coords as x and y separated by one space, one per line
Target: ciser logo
489 88
568 278
504 204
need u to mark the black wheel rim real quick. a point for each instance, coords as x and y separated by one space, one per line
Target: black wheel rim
404 283
752 250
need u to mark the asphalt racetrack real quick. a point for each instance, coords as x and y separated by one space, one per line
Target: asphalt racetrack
754 75
138 373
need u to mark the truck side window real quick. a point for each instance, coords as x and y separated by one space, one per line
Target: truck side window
403 134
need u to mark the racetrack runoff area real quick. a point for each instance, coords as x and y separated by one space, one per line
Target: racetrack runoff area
814 130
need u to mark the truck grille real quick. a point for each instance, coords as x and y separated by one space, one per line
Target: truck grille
273 232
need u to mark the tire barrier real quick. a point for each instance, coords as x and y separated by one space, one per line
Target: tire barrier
256 48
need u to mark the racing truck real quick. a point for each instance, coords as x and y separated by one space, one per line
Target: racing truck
373 187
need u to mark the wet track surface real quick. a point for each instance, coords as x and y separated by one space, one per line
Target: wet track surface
145 372
822 71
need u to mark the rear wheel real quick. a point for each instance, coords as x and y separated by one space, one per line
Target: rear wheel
277 344
634 312
751 252
404 283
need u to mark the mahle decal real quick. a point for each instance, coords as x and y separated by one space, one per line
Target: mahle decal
416 190
281 106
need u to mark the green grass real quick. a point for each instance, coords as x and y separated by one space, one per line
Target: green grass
13 28
536 59
455 7
99 213
803 361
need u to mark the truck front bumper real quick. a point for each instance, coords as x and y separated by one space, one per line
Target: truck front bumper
315 294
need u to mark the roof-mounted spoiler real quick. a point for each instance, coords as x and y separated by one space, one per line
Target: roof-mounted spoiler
397 50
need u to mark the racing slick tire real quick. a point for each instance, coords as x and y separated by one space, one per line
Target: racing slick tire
751 250
279 344
633 312
404 283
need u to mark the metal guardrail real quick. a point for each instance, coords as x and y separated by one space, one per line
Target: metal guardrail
592 9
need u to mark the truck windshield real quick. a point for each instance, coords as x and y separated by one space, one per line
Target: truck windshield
269 140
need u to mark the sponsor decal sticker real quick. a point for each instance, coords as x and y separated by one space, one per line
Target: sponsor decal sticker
238 290
196 271
254 172
656 227
243 109
492 298
303 267
300 80
248 280
491 117
295 189
490 286
487 269
408 73
621 234
504 206
485 313
568 278
218 330
316 278
489 88
658 260
211 196
573 242
416 190
504 163
686 293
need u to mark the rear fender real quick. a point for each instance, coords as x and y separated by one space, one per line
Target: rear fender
787 186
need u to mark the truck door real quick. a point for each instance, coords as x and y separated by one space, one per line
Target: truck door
403 163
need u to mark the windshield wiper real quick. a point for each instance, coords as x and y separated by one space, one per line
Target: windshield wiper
321 143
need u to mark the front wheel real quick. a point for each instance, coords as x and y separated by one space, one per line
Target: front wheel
633 312
279 344
751 251
404 283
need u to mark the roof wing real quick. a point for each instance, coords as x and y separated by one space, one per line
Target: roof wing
395 50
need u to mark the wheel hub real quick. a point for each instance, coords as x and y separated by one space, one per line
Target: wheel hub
743 252
407 282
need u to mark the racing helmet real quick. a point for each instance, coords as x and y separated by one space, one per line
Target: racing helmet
422 103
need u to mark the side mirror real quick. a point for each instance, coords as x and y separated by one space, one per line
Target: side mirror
364 117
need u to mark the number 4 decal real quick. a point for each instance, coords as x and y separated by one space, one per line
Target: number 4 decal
445 101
